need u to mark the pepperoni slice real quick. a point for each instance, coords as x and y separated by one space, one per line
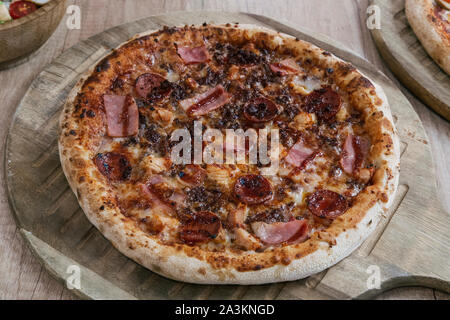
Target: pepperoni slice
260 110
21 9
253 189
200 227
325 103
327 204
152 86
193 174
114 166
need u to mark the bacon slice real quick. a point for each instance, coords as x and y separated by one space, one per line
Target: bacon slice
354 152
285 67
327 204
294 231
298 154
206 102
122 116
348 156
200 227
153 198
193 55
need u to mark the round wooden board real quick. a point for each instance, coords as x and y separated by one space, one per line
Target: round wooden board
408 60
58 232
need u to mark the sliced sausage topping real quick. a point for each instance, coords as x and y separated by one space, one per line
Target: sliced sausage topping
193 55
294 231
152 86
260 110
325 103
200 227
122 116
114 166
327 204
253 189
206 102
354 153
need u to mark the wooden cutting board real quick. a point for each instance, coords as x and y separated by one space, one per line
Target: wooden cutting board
410 245
408 60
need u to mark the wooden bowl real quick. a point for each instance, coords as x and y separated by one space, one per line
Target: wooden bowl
19 38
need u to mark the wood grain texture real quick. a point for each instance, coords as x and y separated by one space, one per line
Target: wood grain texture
406 57
21 275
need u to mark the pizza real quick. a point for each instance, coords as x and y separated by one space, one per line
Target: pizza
430 21
229 222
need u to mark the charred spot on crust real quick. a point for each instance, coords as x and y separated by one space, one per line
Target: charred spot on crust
345 68
104 65
90 114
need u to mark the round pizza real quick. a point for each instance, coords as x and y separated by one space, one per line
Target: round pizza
430 21
330 169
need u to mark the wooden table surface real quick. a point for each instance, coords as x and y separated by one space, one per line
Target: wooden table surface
22 277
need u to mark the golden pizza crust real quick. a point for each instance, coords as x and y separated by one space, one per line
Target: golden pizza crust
430 30
192 264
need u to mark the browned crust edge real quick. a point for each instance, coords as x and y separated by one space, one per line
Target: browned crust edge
430 30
